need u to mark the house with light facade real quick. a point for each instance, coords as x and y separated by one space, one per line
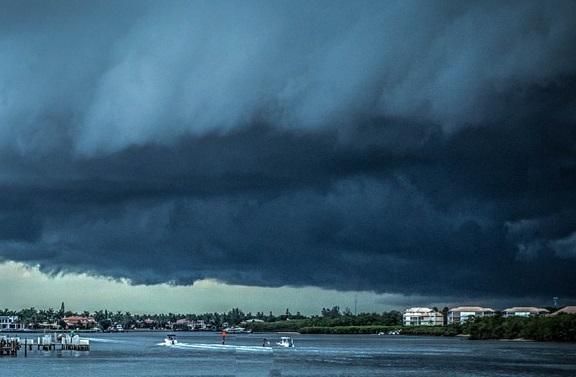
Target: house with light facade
422 317
76 321
184 324
461 314
10 323
565 310
528 311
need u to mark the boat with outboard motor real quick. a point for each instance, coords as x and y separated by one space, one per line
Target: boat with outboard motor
285 341
170 340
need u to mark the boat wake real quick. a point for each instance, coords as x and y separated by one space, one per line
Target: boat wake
218 347
100 340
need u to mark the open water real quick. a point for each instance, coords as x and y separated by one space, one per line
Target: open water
202 354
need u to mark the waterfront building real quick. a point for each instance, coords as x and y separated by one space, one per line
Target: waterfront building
79 321
461 314
529 311
199 325
422 317
10 323
253 320
565 310
184 324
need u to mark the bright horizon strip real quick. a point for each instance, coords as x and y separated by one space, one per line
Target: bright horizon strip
26 287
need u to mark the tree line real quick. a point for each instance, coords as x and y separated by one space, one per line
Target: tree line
561 327
557 328
332 321
33 318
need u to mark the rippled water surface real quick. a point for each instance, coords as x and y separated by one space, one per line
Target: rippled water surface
202 354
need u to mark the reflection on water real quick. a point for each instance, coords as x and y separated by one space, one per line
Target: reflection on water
202 354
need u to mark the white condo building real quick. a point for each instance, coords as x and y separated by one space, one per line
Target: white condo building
422 317
462 313
529 311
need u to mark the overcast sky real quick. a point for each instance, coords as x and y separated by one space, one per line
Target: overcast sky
421 150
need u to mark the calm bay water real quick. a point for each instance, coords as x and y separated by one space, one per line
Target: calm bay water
201 354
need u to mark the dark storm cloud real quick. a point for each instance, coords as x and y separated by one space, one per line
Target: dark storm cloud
403 147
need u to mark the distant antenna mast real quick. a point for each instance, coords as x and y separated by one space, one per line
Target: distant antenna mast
555 301
355 304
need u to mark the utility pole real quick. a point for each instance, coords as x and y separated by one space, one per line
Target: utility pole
355 304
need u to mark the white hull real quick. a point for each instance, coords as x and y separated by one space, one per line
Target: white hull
170 340
285 342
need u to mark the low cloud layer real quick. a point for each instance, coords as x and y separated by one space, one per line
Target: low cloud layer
405 147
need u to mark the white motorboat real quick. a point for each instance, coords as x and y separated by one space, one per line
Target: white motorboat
237 330
170 340
285 341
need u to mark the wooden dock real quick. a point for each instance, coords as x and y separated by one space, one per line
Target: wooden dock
9 347
58 346
53 342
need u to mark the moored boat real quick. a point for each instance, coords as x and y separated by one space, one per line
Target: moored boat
237 330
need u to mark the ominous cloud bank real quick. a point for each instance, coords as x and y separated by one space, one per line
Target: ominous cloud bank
403 147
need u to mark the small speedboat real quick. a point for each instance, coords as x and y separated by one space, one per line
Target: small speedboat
170 340
285 341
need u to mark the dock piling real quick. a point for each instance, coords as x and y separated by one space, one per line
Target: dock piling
63 342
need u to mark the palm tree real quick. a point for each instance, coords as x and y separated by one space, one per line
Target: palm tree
29 317
51 315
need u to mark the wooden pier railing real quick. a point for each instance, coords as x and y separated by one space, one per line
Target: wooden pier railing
51 342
